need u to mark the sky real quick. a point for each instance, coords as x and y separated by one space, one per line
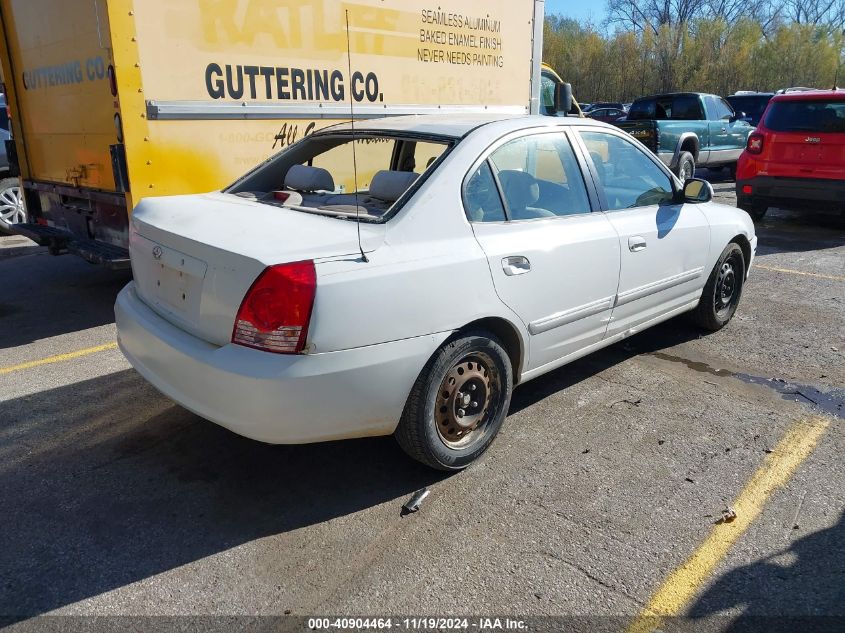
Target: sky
579 9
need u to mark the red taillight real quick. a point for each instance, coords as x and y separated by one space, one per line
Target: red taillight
755 143
275 312
747 189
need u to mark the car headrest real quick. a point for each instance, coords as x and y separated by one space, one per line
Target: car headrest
521 190
305 178
390 185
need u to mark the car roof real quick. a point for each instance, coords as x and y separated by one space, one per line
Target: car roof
453 125
675 94
811 95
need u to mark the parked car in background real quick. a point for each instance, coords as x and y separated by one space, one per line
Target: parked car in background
606 115
688 129
753 104
796 156
607 104
12 209
298 328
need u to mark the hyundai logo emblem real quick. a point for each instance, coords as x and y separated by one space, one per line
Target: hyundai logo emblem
157 252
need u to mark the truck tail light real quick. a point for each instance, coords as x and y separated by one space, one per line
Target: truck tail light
755 143
275 313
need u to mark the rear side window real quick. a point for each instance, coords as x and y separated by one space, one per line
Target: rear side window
806 116
481 197
667 108
540 177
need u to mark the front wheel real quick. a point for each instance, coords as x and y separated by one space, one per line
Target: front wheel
458 404
722 291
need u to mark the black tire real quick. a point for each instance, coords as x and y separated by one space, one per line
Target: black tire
722 291
731 170
430 429
756 211
686 167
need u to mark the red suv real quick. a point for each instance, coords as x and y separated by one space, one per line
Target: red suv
796 156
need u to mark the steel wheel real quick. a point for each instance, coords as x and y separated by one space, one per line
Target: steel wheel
721 294
458 403
725 286
464 399
11 205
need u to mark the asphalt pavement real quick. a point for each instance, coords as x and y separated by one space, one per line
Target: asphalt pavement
607 495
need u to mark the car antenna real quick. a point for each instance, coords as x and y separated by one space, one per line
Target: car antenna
352 123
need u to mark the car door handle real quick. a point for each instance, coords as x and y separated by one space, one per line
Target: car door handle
724 130
515 265
636 243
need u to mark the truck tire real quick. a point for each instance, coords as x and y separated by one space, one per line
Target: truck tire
458 403
722 292
686 167
12 210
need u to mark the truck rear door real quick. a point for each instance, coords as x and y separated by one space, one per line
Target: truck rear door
58 58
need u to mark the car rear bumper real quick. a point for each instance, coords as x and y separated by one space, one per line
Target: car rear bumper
799 193
275 398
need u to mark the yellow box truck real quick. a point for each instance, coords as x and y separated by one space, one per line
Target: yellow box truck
115 100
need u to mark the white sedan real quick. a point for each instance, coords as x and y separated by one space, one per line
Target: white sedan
403 277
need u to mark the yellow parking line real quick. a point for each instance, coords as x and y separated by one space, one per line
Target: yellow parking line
57 358
798 272
778 467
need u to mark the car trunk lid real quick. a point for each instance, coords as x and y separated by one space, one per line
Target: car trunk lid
195 257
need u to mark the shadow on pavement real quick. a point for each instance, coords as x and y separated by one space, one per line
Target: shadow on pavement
802 580
668 334
43 296
783 231
105 482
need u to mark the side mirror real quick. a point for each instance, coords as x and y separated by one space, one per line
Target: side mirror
563 98
697 190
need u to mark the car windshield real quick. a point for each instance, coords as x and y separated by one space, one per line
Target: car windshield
338 175
806 116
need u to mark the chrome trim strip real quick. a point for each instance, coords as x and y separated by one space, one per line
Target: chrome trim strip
568 316
205 110
649 289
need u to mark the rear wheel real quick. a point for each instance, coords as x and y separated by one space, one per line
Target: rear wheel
458 403
686 167
723 290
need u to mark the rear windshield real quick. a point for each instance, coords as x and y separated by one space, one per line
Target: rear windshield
667 108
806 116
342 175
753 106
